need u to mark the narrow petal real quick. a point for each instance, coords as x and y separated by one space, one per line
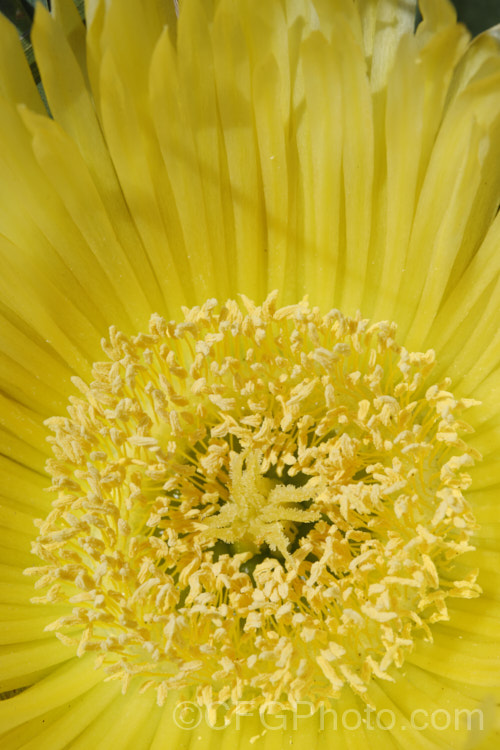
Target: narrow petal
63 684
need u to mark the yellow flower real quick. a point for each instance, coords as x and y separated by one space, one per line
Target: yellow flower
267 521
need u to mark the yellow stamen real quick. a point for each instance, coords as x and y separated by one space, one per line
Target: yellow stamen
265 504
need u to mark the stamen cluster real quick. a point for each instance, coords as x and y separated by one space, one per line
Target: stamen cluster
263 504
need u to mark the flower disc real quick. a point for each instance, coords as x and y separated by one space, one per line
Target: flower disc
263 504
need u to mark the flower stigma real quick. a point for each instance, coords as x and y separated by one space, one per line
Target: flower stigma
257 504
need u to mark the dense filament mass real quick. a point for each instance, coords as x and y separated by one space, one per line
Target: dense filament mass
261 504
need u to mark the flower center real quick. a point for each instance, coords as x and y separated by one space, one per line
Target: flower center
261 504
258 512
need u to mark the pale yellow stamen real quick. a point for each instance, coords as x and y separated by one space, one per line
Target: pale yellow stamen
263 504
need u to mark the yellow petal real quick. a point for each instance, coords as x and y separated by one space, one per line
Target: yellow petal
63 684
16 81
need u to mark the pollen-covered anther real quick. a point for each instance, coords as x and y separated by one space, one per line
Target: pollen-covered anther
263 504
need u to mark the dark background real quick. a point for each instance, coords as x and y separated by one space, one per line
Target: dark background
477 15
